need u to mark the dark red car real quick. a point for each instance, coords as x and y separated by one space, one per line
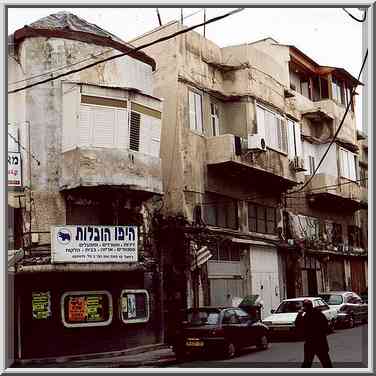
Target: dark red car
219 330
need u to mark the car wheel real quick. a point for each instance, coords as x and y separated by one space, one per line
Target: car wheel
230 350
351 322
263 343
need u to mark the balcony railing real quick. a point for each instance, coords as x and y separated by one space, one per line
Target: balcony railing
222 151
326 188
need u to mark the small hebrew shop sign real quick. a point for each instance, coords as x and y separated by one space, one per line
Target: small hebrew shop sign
93 244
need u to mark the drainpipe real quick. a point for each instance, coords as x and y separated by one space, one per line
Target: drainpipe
29 160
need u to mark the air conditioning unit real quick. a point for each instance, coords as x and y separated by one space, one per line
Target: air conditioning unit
298 164
256 142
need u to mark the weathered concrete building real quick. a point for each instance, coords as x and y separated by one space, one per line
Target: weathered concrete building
242 127
89 146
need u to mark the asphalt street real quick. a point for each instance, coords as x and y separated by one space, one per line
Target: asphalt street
348 349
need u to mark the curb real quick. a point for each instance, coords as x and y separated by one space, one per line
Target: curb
74 358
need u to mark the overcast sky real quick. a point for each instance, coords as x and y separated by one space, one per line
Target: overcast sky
328 36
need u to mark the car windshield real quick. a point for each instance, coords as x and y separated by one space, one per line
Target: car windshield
203 318
332 299
290 306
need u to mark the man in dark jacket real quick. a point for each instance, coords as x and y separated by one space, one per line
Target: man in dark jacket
313 325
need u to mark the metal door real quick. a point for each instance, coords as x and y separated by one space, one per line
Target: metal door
264 275
223 290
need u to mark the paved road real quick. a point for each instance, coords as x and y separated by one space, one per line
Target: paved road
348 348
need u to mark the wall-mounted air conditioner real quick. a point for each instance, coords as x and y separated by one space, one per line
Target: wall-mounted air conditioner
298 164
256 142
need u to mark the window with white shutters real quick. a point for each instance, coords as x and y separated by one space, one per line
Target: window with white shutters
274 127
294 141
214 115
104 126
85 127
348 164
195 111
134 131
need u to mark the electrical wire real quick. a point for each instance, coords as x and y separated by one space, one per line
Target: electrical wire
355 18
162 39
337 131
23 148
81 61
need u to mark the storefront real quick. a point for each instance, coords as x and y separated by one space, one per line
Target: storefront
70 312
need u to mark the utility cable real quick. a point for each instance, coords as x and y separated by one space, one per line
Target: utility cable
23 148
162 39
80 61
337 131
355 18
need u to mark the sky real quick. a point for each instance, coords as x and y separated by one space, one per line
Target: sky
327 35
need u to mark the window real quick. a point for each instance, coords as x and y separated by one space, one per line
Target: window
294 143
338 90
262 219
355 236
348 164
363 176
134 131
134 306
273 127
221 211
337 233
214 116
224 251
195 111
312 166
203 317
86 308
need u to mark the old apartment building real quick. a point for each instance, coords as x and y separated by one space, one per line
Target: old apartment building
88 145
244 127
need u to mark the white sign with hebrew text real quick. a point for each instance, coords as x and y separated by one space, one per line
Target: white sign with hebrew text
93 244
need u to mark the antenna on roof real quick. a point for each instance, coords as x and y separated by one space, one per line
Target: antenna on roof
204 21
159 17
181 16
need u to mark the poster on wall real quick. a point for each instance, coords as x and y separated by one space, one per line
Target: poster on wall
93 244
14 170
131 306
86 308
41 305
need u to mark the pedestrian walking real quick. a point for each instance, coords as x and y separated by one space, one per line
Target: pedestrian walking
313 325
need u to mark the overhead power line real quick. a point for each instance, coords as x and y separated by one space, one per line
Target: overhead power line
91 57
23 148
355 18
162 39
337 131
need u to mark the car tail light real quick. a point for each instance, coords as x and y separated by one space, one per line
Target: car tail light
217 332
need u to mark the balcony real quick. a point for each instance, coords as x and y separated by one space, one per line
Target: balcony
325 190
91 167
265 167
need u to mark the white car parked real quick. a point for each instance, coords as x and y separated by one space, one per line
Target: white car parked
282 320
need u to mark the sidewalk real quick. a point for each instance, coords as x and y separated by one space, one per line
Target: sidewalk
146 356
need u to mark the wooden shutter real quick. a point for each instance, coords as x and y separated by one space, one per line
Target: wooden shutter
192 111
85 127
290 138
104 126
134 131
198 106
155 135
121 129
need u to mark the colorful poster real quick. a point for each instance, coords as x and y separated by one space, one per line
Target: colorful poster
94 308
77 309
131 306
41 305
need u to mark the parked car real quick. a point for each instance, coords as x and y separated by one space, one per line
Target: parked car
222 330
350 307
282 320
